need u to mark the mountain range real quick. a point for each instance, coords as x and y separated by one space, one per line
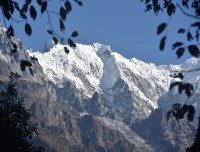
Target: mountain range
94 99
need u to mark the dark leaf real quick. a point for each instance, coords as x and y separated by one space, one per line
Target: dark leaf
44 7
28 2
63 13
147 1
50 32
181 30
157 9
181 87
55 40
24 64
33 12
191 112
68 6
166 3
74 34
39 2
10 31
24 8
189 36
179 111
22 67
23 16
195 4
31 71
13 51
79 2
16 6
197 11
180 75
177 75
66 50
172 85
14 45
162 43
176 44
71 43
180 52
6 13
155 3
185 3
188 89
62 26
196 24
197 35
161 28
171 9
176 106
34 58
148 7
28 29
11 8
194 50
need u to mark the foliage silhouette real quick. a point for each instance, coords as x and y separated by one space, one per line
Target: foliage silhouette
16 128
192 35
10 8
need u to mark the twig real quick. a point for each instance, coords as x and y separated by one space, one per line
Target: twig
49 22
187 14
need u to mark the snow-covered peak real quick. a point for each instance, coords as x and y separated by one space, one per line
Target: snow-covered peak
93 62
95 68
81 63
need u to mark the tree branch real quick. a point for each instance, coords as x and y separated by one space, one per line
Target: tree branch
187 14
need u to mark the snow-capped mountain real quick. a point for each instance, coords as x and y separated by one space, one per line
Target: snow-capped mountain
125 84
94 99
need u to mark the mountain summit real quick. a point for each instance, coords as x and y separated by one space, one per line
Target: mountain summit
125 84
93 99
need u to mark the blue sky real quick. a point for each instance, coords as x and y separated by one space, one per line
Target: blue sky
122 25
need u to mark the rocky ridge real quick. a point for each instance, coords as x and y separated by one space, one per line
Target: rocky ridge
93 99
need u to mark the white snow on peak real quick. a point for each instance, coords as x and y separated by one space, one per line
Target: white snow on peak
92 68
81 62
191 64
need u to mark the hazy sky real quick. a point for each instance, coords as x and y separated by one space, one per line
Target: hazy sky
122 25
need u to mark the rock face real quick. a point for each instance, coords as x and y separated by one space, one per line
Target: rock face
93 99
165 135
132 87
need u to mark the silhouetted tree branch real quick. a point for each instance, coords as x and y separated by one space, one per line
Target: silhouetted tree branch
179 110
10 8
187 14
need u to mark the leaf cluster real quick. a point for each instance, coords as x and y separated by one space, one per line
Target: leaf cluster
191 33
14 49
24 64
10 7
186 87
170 6
178 112
182 86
